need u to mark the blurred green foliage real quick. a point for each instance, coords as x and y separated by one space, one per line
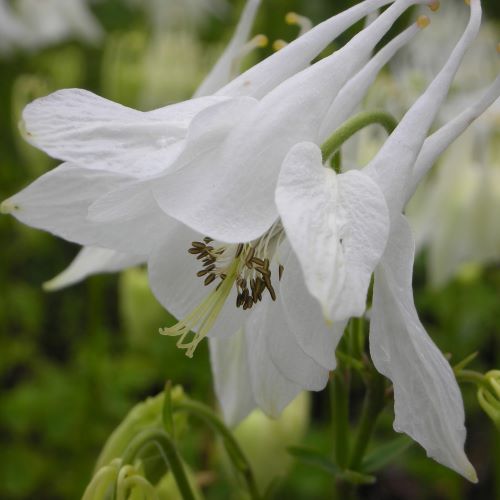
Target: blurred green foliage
73 363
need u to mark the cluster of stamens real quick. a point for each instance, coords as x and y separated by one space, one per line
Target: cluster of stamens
246 266
253 275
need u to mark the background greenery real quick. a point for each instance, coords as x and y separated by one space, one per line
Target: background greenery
72 363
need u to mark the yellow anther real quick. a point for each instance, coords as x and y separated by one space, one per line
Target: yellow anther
259 41
291 18
279 44
434 5
423 21
304 23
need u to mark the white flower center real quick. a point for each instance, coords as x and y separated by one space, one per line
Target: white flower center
244 265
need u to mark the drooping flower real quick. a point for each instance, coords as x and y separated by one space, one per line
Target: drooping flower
279 241
130 145
34 24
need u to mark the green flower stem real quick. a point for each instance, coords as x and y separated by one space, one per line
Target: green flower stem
353 125
372 406
233 448
163 441
340 415
473 377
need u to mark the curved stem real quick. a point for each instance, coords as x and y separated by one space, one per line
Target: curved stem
233 448
166 446
473 377
372 406
340 416
353 125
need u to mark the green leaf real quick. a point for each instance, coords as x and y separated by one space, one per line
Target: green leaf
314 458
385 454
354 477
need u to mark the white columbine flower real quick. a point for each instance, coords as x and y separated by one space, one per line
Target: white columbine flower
34 24
99 135
279 241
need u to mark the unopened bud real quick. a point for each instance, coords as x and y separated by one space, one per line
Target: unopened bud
489 397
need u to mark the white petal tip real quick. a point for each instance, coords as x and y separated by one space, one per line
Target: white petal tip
8 206
24 131
470 474
52 285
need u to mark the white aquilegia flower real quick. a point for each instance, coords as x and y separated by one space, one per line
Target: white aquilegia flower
35 24
123 157
249 238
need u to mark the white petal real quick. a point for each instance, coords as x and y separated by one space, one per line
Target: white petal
440 140
78 126
221 73
392 166
314 335
271 390
229 194
428 403
89 261
284 350
173 280
296 56
337 226
355 89
58 202
231 375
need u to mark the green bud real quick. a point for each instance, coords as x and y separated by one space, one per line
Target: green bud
268 454
145 415
489 396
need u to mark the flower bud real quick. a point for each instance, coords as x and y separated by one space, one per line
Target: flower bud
489 398
145 415
265 441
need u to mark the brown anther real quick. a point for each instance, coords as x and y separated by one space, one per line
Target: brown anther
258 261
202 255
198 244
211 267
207 239
250 254
239 300
269 286
209 279
195 251
280 271
202 273
239 249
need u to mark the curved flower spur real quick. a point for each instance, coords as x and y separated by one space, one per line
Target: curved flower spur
269 243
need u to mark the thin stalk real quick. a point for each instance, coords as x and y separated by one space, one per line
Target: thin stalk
353 125
372 406
340 416
166 446
233 448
